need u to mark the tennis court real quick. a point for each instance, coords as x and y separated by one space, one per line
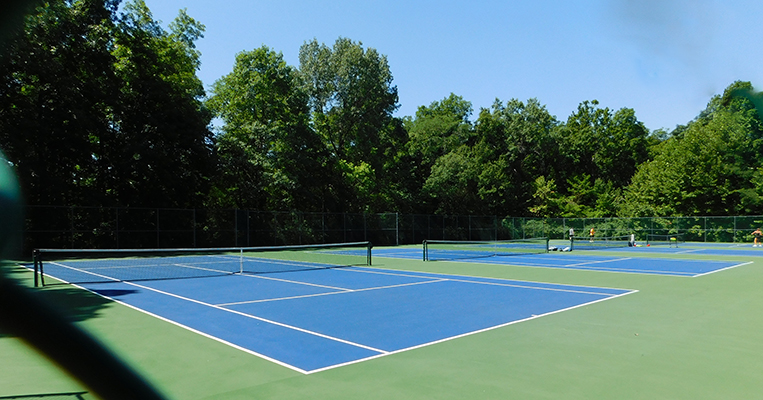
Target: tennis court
407 328
642 261
311 318
710 250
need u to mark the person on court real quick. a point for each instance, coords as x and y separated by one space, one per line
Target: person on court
590 234
756 236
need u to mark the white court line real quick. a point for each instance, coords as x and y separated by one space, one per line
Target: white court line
637 271
80 270
235 346
389 254
258 318
89 270
530 284
530 287
599 262
722 269
688 251
469 333
333 293
295 282
433 275
582 267
112 279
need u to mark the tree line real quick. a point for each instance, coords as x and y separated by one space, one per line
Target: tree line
101 105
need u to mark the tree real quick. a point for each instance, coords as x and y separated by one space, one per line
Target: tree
162 148
57 84
438 129
711 168
269 157
599 153
351 96
515 147
453 183
102 109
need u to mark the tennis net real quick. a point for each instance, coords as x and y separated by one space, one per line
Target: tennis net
599 243
670 240
116 265
441 250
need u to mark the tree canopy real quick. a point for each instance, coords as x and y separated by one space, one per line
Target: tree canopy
101 105
104 108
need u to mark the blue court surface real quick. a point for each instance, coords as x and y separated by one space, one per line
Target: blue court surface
310 321
729 250
598 262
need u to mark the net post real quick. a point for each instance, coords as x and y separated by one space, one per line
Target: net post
241 261
424 248
35 254
39 273
370 246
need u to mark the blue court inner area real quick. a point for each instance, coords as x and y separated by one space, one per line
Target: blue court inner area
319 319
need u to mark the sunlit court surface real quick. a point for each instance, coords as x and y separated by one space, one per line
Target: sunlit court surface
280 326
313 319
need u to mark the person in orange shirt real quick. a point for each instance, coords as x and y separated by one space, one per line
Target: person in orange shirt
590 234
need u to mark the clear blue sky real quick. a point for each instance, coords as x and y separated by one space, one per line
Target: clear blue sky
663 58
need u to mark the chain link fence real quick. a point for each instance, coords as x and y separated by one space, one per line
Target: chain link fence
102 227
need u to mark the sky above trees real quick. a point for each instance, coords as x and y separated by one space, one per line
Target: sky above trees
664 59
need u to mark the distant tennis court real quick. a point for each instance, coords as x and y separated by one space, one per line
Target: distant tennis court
529 255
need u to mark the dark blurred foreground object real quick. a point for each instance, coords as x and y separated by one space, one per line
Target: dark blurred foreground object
22 313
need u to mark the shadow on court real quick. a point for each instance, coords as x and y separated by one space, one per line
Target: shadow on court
74 304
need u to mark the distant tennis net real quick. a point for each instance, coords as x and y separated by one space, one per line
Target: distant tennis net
669 240
115 265
442 250
599 243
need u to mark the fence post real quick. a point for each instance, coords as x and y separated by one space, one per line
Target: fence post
235 227
117 233
71 227
248 225
397 229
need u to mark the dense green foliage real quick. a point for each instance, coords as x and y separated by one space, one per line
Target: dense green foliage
97 108
102 106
